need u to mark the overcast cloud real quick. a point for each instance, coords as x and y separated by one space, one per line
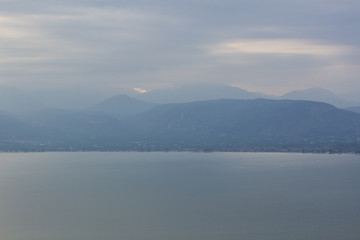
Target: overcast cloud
271 46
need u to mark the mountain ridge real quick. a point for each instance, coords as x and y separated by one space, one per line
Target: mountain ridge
319 95
212 125
120 106
196 92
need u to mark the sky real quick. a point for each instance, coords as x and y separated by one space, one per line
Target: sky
270 46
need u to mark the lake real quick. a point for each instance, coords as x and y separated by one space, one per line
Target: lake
179 196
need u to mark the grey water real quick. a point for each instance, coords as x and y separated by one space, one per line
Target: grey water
179 196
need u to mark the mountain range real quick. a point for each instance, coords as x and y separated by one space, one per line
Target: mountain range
123 123
319 95
196 92
258 121
120 106
13 100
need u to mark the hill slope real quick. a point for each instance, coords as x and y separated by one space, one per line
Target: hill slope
120 106
197 92
354 109
76 128
258 121
317 94
216 125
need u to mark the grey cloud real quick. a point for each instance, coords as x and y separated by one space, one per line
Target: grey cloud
156 43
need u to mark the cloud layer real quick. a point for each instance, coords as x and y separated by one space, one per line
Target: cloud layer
271 46
278 46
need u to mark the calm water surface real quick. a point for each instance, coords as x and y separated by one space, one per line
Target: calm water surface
179 196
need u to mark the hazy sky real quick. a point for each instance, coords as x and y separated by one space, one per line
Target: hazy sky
260 45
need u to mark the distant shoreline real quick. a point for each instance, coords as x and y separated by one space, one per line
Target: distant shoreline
174 151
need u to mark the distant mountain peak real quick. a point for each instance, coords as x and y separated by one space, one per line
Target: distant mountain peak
316 94
197 92
313 91
121 105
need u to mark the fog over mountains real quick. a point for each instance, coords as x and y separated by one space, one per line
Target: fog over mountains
197 92
254 120
215 118
120 106
319 95
14 100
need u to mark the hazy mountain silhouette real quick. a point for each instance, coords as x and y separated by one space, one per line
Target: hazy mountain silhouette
319 95
75 128
120 106
15 101
75 99
12 128
220 125
196 92
354 109
259 118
